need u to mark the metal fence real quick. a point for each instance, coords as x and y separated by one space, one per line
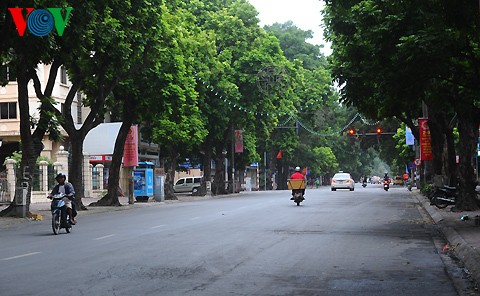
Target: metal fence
38 178
4 193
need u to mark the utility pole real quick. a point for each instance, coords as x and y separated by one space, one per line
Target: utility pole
265 166
233 159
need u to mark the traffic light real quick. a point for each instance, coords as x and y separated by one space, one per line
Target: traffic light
351 132
379 130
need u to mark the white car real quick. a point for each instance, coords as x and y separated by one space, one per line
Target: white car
342 181
188 184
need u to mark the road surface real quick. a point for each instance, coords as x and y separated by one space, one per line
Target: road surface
365 242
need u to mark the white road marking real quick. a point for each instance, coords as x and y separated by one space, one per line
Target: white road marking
21 256
103 237
195 218
158 226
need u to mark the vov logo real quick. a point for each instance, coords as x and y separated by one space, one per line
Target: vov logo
40 22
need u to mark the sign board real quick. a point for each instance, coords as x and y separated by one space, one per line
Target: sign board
417 161
100 158
409 138
425 140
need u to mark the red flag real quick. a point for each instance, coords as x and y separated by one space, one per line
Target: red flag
279 155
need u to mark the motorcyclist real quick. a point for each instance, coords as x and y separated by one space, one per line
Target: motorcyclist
386 177
297 175
67 189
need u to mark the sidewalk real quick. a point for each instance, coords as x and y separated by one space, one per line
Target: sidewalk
463 236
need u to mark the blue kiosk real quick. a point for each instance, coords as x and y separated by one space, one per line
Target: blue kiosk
143 181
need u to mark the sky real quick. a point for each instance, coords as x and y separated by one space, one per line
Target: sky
305 14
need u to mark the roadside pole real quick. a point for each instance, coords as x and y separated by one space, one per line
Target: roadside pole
130 185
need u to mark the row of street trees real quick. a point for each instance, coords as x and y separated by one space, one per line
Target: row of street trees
187 71
190 72
390 57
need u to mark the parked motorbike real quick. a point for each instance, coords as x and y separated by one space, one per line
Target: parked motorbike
364 184
60 217
386 185
444 196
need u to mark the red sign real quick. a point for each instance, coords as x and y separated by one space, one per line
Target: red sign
130 152
238 141
425 140
100 158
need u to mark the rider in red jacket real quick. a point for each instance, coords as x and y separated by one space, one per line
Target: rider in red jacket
297 176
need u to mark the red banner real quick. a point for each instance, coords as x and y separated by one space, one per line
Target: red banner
238 141
425 140
130 152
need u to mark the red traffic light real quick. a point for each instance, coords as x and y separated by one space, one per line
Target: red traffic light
351 132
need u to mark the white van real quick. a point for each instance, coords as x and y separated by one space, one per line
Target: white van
188 184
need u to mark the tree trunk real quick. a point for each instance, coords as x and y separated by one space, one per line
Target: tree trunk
437 140
29 156
271 168
282 174
170 168
129 111
75 170
207 167
218 186
468 131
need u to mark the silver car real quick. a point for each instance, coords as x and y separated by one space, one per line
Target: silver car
188 184
342 181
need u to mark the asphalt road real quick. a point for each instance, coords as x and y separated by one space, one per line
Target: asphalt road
365 242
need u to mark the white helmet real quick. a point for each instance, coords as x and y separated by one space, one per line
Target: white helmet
297 169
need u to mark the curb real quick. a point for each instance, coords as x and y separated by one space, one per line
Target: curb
466 253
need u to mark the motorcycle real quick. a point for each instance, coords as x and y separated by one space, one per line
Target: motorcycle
444 196
364 184
386 185
298 196
297 187
60 216
409 185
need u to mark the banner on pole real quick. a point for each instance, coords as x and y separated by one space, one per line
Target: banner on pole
425 140
238 141
130 151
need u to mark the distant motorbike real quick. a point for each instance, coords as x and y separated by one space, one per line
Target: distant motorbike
409 185
60 217
386 185
298 188
364 184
